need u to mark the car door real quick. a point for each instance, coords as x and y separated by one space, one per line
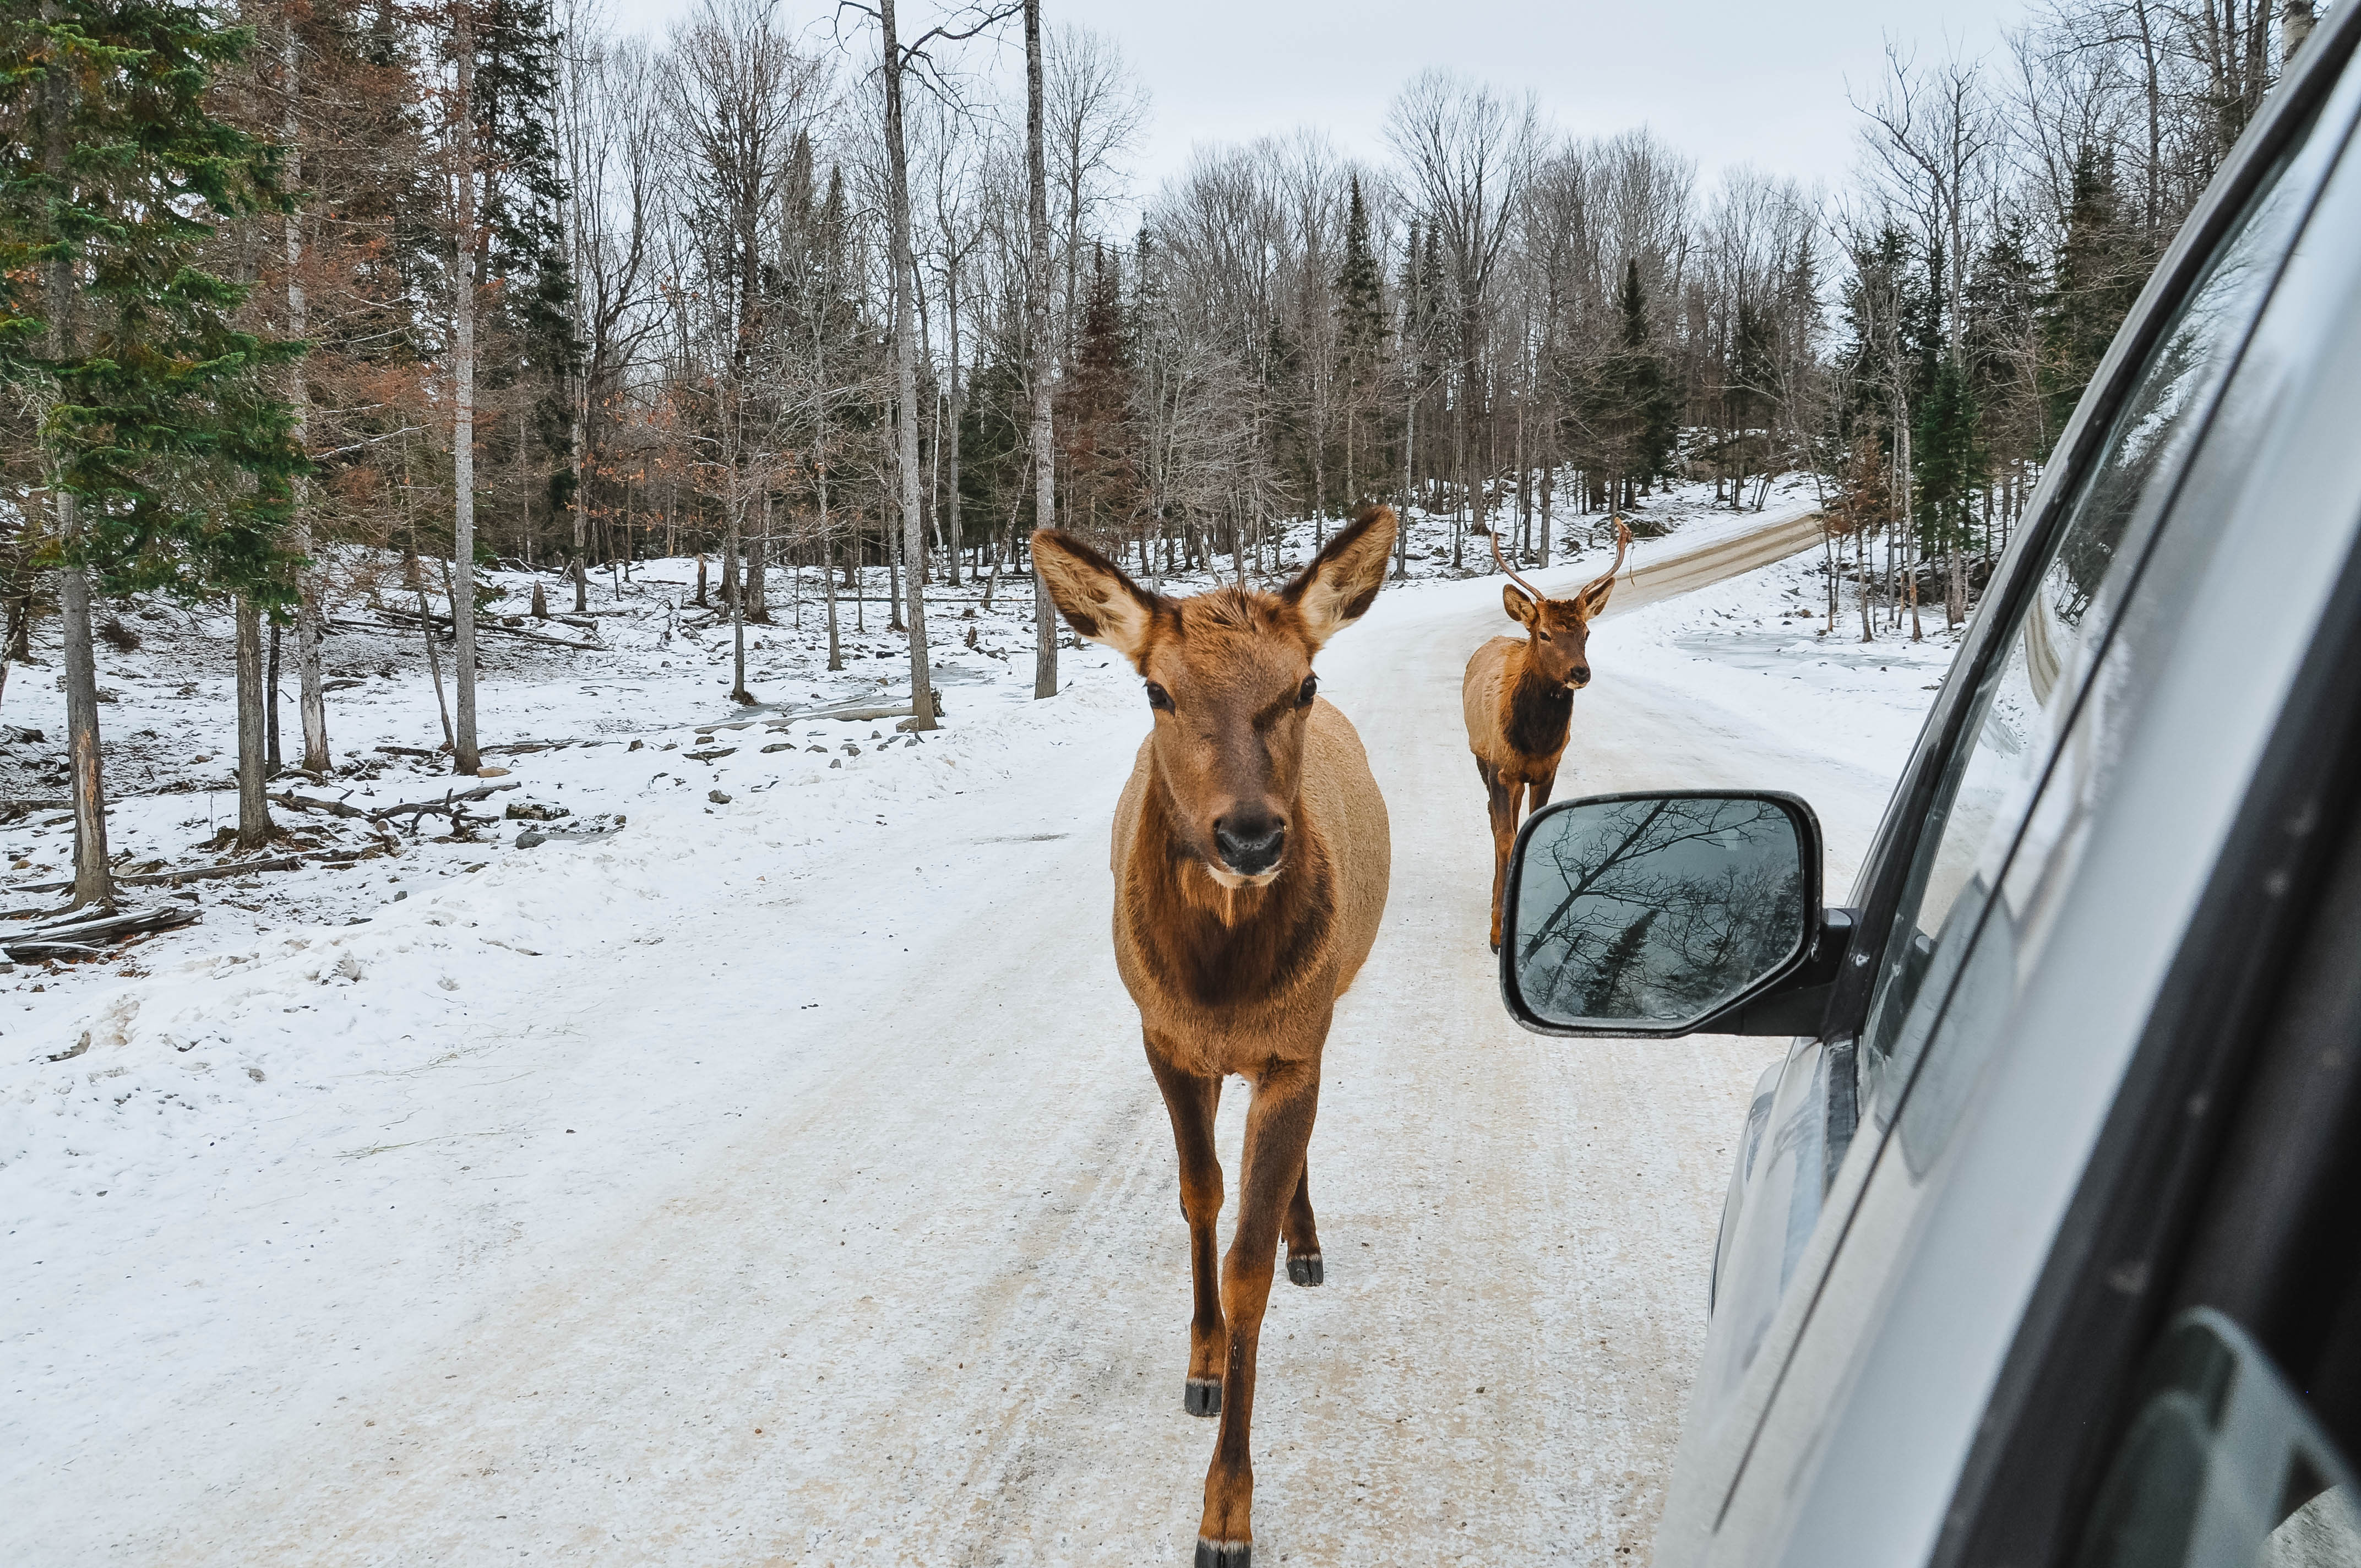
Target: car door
1984 850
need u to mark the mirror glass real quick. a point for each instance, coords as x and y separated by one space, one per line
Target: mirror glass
1656 911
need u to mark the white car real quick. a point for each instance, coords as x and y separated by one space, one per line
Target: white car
2044 1242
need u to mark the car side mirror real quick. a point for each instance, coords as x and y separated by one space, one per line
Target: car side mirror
1671 913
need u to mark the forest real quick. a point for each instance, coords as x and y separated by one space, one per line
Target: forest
306 300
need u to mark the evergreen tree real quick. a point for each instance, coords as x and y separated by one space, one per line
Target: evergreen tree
528 355
2000 336
167 460
2098 272
1360 334
1094 438
1626 406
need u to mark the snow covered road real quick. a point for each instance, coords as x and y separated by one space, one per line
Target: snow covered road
839 1227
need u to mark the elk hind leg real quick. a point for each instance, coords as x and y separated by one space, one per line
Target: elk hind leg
1191 1101
1279 1129
1303 1266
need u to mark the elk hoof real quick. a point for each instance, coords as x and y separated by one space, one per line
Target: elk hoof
1202 1397
1496 944
1224 1553
1304 1269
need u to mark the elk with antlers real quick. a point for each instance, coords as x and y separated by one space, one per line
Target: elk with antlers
1251 857
1519 698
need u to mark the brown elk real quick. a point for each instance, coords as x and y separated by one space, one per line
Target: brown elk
1519 698
1251 855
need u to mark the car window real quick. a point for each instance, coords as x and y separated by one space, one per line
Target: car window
2026 696
2042 727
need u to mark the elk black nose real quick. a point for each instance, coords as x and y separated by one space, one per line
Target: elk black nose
1249 843
1581 675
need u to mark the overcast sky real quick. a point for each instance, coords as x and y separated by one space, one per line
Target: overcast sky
1728 81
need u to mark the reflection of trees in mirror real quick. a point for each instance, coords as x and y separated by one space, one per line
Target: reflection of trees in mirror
1655 909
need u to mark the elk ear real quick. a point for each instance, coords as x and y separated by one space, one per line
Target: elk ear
1519 608
1334 590
1093 594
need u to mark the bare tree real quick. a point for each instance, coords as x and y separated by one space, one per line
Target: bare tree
461 153
1036 357
1468 152
1093 111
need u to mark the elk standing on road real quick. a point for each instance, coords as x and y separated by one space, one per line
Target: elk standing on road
1519 698
1251 856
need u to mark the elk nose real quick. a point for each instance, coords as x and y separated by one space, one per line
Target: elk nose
1249 844
1581 674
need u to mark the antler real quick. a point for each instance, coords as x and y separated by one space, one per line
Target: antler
1494 535
1606 582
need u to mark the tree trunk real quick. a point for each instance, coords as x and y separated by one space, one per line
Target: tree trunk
952 533
253 808
270 705
433 659
465 757
311 625
733 591
758 552
1549 486
93 884
1037 312
904 267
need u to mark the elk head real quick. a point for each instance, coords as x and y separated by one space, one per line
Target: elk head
1229 677
1558 647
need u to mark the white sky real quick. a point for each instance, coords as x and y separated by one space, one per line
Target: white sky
1727 81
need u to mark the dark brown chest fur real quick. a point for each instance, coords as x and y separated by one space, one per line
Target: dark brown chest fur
1539 714
1217 949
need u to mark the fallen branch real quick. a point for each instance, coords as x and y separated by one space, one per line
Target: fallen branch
72 938
442 622
206 873
451 805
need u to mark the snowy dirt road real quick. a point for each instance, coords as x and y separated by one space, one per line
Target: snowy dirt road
906 1282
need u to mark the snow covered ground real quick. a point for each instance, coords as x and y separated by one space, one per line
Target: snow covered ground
478 1200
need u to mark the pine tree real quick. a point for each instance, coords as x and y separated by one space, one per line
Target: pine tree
2095 277
1627 405
1094 429
167 458
1360 333
528 358
1948 456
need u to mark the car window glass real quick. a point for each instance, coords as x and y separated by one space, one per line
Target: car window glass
2025 697
2043 726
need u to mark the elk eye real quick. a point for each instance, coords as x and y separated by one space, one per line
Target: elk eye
1543 635
1311 689
1159 698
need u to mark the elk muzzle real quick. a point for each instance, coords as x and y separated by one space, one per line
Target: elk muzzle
1249 843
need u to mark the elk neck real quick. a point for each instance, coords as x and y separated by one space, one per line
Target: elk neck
1220 947
1539 711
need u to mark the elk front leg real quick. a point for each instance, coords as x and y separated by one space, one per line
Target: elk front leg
1279 1129
1504 791
1302 1236
1192 1101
